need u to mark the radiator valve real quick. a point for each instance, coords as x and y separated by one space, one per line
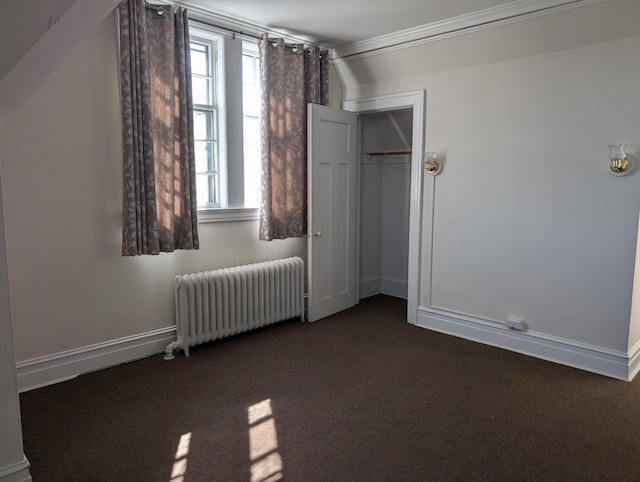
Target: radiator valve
170 349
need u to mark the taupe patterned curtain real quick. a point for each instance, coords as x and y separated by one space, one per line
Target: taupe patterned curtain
292 76
159 193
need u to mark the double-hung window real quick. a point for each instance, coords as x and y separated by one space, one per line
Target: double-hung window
204 54
226 104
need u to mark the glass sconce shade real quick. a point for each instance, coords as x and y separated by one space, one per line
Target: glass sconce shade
618 162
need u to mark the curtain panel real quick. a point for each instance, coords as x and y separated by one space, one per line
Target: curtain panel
291 77
159 181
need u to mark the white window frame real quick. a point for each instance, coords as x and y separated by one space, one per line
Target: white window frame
251 49
216 107
228 92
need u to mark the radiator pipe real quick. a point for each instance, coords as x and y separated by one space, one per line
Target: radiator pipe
170 349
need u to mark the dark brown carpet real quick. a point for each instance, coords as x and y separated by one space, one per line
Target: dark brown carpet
359 396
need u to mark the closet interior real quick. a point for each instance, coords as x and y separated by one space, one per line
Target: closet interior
385 174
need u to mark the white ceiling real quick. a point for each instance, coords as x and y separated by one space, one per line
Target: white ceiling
331 23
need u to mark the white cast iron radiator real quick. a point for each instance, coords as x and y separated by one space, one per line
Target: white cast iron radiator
215 304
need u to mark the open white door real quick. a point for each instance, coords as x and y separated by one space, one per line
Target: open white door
332 140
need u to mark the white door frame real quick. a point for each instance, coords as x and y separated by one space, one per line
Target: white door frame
416 101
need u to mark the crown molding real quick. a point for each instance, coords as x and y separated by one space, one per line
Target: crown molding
483 19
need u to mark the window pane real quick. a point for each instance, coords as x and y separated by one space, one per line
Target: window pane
206 159
251 130
250 85
208 189
201 90
250 100
200 59
252 177
251 162
202 188
251 110
202 158
203 125
214 189
204 79
248 74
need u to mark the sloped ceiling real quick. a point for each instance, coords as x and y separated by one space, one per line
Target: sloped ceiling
387 131
40 52
22 24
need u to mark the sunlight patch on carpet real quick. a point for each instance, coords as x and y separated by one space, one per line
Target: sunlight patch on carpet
180 465
263 443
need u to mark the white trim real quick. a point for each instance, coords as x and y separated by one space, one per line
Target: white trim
472 22
634 361
17 472
227 215
385 285
58 367
394 287
416 101
369 287
591 358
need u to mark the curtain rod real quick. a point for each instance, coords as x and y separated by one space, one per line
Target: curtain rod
159 10
239 32
226 29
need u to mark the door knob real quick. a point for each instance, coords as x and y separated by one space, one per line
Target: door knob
318 234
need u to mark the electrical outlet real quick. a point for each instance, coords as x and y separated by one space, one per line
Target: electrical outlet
515 323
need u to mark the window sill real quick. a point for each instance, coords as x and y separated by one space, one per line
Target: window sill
227 215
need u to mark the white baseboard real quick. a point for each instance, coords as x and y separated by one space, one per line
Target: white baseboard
394 287
18 472
369 287
615 364
46 370
383 285
634 361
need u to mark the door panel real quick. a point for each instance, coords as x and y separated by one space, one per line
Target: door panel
332 210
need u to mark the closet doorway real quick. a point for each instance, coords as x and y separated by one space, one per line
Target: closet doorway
385 182
390 205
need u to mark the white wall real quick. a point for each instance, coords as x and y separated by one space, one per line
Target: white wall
394 233
370 224
61 155
526 219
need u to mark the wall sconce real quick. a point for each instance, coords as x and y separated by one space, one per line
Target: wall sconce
619 164
431 164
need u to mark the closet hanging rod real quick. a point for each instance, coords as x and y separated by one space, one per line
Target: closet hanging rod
389 153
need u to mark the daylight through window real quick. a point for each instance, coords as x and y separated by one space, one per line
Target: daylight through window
251 123
205 116
226 109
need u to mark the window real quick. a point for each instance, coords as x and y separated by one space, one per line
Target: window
205 120
251 123
226 108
